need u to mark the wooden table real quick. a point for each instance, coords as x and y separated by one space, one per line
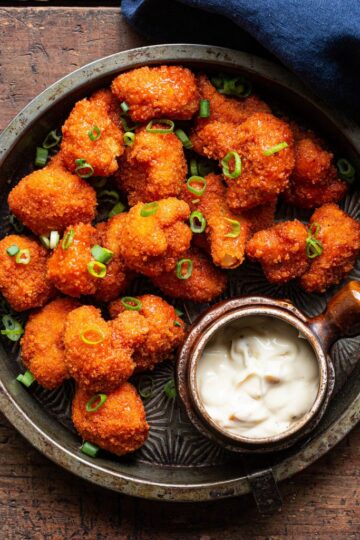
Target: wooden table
39 500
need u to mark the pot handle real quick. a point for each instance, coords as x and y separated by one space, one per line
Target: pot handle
341 317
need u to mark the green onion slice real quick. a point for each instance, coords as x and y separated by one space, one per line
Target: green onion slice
193 167
179 313
124 107
275 149
83 168
183 138
89 449
170 389
68 239
99 182
197 222
101 254
163 122
149 209
314 247
205 166
94 133
54 239
95 402
225 163
118 208
131 303
188 264
12 250
146 386
346 170
109 196
125 124
13 329
44 240
17 226
26 379
129 138
235 228
41 156
23 256
204 108
232 86
52 139
176 323
92 335
196 180
96 269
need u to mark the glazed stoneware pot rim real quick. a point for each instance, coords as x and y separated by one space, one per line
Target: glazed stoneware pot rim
28 417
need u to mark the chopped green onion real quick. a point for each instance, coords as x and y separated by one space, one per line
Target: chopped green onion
124 107
99 182
162 121
44 240
52 139
346 170
199 227
204 108
109 196
96 269
129 138
314 247
101 254
183 138
232 86
205 167
17 226
237 165
54 239
89 449
23 256
94 133
193 167
235 231
131 303
196 180
12 250
118 208
68 239
179 268
176 323
170 389
26 379
149 209
41 156
275 149
95 402
146 386
92 335
13 329
125 124
83 168
179 313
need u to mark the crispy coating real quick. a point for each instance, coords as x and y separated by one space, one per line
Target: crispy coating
42 347
118 426
153 244
261 217
102 153
51 199
215 139
225 251
166 331
339 235
153 168
205 283
281 250
158 92
25 286
102 366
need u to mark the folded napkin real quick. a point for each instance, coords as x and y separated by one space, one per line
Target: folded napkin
319 40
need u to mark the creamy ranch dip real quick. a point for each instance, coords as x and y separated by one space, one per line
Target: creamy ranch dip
257 377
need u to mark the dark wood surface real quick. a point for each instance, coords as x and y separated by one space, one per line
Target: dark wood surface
39 500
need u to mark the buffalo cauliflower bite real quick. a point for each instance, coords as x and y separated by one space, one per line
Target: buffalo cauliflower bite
281 250
339 235
118 426
158 92
42 347
51 199
90 134
166 331
261 217
23 280
204 285
98 354
153 238
153 168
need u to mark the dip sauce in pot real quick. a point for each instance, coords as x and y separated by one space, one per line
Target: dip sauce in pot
257 377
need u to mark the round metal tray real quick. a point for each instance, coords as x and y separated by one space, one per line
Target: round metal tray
177 463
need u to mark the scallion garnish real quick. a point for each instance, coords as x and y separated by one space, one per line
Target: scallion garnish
275 149
314 247
99 182
92 335
204 108
183 138
176 323
54 239
96 269
232 86
346 170
89 449
196 180
23 256
162 122
197 222
52 139
205 167
17 226
124 107
146 386
12 250
109 196
125 124
225 163
129 138
95 402
235 228
94 133
13 329
131 303
188 264
101 254
118 208
26 379
83 168
41 156
149 209
179 313
68 239
170 389
193 167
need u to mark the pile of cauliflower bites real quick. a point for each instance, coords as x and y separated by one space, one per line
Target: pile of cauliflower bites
183 230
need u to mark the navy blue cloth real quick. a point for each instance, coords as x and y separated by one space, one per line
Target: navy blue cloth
319 40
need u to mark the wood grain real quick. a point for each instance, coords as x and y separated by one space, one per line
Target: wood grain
38 500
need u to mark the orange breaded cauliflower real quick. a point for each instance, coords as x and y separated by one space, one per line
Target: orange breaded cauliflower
281 250
215 139
90 134
153 168
166 331
42 347
98 354
23 279
158 92
52 198
205 283
118 426
152 244
226 250
261 217
339 235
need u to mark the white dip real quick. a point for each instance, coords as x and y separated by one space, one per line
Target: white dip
257 377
